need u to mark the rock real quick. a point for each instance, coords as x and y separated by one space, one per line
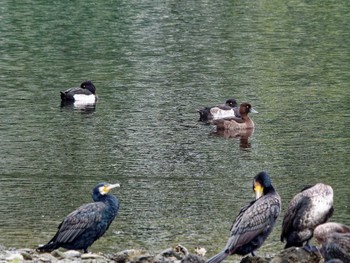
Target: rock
26 253
250 259
14 257
297 255
177 255
46 257
132 255
91 256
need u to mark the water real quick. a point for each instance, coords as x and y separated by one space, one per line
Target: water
155 63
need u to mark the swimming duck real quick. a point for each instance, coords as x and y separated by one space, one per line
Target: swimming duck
308 209
86 93
237 123
254 222
334 239
229 109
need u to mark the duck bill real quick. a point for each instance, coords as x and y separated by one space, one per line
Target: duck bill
258 189
252 110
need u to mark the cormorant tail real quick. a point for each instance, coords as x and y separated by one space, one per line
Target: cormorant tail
48 247
218 257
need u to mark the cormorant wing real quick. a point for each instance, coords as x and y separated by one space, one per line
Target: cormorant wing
253 220
295 209
78 221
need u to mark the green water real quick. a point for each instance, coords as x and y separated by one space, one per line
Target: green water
155 63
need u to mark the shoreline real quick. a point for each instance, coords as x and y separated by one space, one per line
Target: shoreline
179 254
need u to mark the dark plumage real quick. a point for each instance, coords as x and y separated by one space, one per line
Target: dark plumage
86 93
337 246
308 209
229 109
334 239
254 222
81 228
237 123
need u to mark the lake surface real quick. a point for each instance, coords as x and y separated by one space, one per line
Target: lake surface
155 63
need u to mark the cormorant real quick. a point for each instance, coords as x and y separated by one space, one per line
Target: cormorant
334 239
86 93
81 228
254 222
309 208
237 123
229 109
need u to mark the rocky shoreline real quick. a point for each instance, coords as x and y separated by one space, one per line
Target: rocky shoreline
179 254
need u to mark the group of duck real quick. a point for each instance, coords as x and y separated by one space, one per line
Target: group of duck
306 215
228 116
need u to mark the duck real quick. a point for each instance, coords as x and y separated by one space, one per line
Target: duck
229 109
237 123
311 207
254 222
86 93
334 239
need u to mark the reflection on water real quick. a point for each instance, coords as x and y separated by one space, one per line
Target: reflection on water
78 106
242 135
153 65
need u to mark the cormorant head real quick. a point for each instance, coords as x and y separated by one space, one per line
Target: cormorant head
89 86
261 184
102 189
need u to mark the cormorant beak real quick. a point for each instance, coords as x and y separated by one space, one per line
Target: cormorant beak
252 110
258 189
108 187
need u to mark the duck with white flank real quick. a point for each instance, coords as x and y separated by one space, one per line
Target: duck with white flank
229 109
85 94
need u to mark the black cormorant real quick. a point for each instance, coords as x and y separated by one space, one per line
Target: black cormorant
308 209
254 222
89 222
